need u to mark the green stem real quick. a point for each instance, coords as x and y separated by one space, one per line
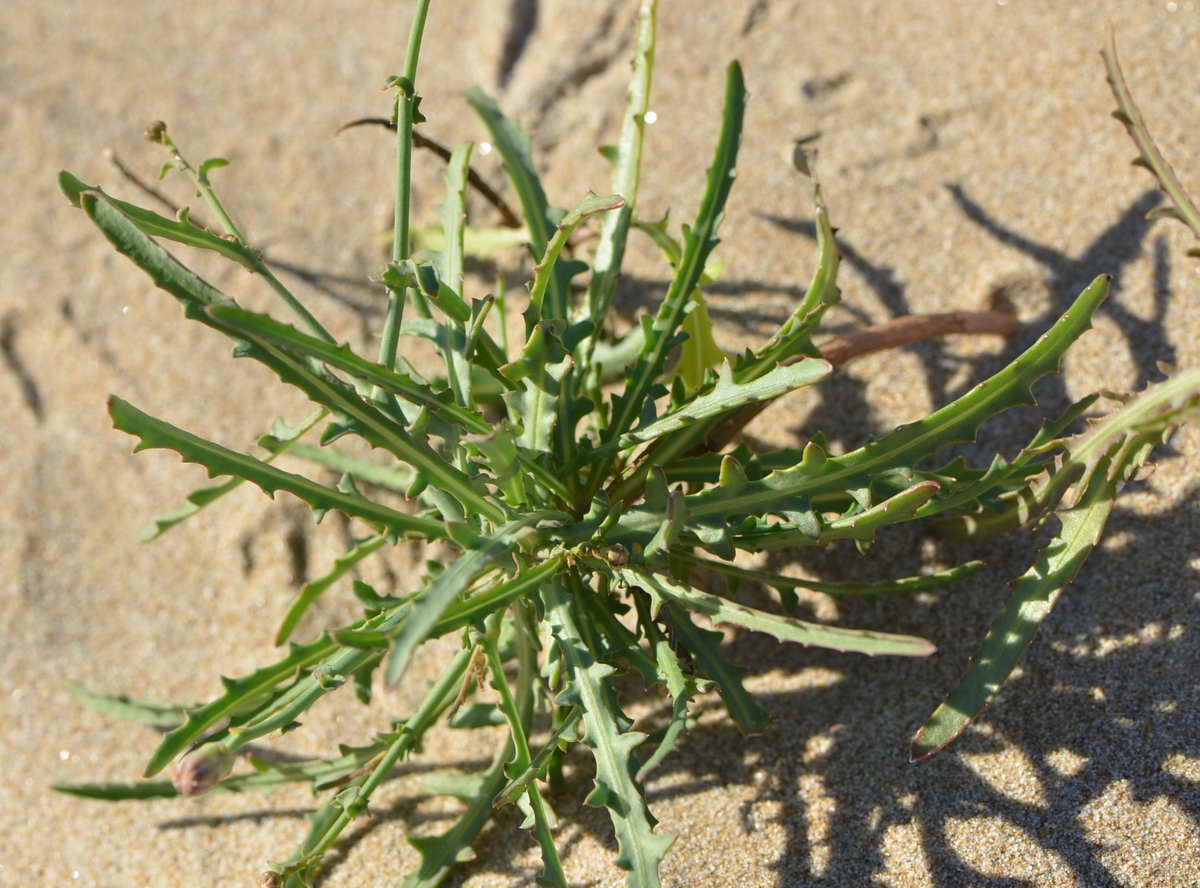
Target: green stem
406 113
205 190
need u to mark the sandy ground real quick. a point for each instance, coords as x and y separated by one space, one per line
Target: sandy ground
965 147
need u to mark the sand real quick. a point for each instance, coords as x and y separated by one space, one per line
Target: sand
965 147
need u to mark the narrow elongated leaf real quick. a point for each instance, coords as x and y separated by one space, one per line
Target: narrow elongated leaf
454 217
704 646
1033 596
899 586
699 241
722 610
1128 113
398 478
428 608
239 694
155 434
627 162
123 707
1110 453
960 420
204 496
861 526
727 395
119 792
181 231
344 358
1160 407
562 737
440 853
513 147
612 745
544 271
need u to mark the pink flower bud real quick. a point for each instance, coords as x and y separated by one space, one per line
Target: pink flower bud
201 769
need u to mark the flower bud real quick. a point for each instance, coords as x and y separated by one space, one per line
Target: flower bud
156 131
200 769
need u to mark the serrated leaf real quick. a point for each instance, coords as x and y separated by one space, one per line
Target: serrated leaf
721 610
238 693
703 645
699 241
626 159
204 496
727 395
640 849
160 226
1111 453
429 606
344 358
156 434
957 421
899 586
561 738
1149 157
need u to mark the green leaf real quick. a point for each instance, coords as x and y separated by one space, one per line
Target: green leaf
239 695
860 526
203 496
119 792
612 746
562 738
1110 453
545 269
513 146
700 352
398 478
479 243
899 586
439 853
155 434
957 421
626 157
727 395
704 646
430 605
792 337
721 610
699 241
1158 409
123 707
343 357
153 224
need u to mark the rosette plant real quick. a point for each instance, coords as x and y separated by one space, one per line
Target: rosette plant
583 486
